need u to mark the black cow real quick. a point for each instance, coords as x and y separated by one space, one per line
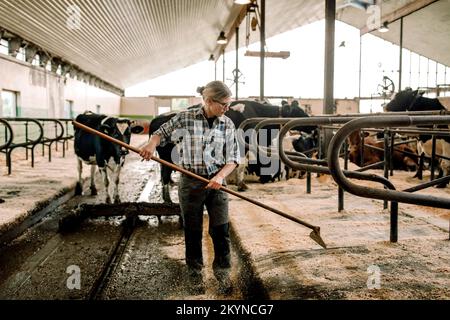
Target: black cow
164 152
240 110
412 100
94 150
409 100
266 168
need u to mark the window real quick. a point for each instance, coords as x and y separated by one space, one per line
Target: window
21 54
162 110
68 109
180 104
36 61
4 46
10 108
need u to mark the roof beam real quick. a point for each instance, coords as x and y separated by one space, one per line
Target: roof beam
269 54
400 13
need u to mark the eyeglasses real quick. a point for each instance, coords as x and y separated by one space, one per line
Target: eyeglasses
223 104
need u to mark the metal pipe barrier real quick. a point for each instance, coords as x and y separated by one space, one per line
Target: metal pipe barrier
341 176
310 165
28 144
47 140
68 135
301 161
9 136
323 120
325 170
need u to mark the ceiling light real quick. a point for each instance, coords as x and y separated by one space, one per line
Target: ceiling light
384 27
222 39
242 1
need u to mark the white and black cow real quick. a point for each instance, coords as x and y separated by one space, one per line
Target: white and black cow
96 151
412 100
240 110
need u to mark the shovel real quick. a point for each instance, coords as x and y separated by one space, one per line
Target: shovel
315 234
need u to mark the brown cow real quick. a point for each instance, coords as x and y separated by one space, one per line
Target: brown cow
371 156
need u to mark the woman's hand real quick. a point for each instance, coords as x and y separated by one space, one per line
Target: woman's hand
147 151
215 183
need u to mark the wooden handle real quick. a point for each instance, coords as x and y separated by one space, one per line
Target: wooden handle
193 175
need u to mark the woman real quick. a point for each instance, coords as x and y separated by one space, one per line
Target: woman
207 146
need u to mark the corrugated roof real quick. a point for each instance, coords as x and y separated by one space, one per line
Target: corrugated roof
125 42
426 31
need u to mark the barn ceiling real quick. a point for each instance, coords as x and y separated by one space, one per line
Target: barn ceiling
426 31
127 42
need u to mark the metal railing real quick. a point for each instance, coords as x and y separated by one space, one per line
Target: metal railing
28 133
300 162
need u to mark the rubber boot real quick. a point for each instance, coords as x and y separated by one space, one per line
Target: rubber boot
194 261
222 257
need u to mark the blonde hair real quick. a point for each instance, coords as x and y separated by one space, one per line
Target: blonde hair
216 90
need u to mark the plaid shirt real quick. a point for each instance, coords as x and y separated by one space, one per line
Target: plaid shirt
201 150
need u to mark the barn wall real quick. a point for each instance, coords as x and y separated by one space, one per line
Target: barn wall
144 108
86 97
43 94
316 106
445 102
149 107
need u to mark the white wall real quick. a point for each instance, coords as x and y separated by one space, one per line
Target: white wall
42 94
343 106
149 107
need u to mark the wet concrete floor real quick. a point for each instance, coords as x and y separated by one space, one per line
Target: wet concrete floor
42 263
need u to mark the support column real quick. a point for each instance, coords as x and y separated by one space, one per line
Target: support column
330 20
263 43
223 71
236 75
400 68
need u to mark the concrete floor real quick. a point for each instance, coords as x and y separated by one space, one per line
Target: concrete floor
273 257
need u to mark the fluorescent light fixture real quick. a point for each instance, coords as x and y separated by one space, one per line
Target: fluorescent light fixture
242 1
222 39
384 27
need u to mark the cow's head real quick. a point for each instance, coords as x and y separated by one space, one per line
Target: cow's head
120 129
354 142
402 101
286 110
295 111
305 142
